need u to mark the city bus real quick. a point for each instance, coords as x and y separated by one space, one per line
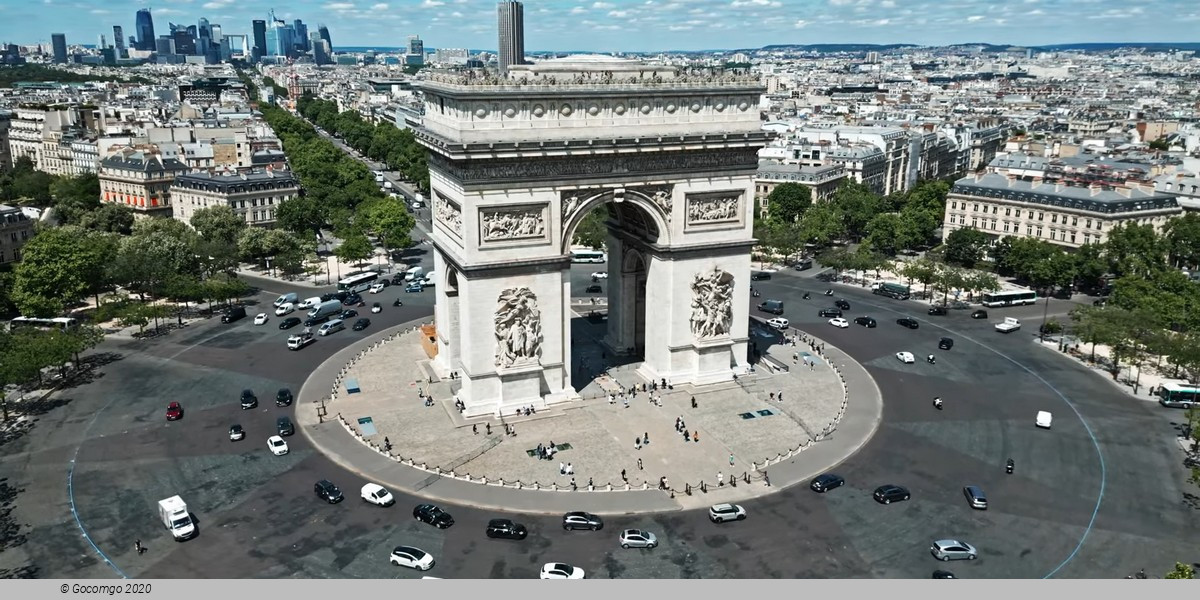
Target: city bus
1009 298
587 256
59 323
357 282
1177 394
893 290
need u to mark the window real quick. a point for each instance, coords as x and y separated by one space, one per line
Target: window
1018 213
954 205
1041 215
993 225
1072 238
1008 212
1088 223
1029 230
976 207
1039 232
1006 226
995 209
974 222
1074 221
1053 218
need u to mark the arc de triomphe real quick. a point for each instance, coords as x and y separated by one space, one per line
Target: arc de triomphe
517 162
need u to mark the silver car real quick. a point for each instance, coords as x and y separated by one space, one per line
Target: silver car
953 550
636 538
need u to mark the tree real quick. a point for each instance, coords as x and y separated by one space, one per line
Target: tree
884 233
965 246
54 271
1025 254
355 247
1181 571
157 249
923 270
788 201
252 244
1090 267
1162 145
109 218
301 215
838 259
821 224
218 224
999 253
592 231
74 197
856 205
1133 249
1183 240
389 221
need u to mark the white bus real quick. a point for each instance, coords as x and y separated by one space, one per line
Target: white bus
357 282
1010 298
588 256
1178 394
59 323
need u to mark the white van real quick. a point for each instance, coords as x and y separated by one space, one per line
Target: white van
290 298
331 327
309 303
1043 419
414 274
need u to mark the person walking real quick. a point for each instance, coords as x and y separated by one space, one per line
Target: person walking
686 437
137 547
780 395
731 459
772 395
626 401
646 438
637 444
562 468
623 477
570 470
696 436
475 429
640 465
720 479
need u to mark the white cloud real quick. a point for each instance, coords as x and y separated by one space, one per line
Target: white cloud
380 6
679 28
99 11
888 4
745 3
578 10
618 14
974 19
801 24
432 3
603 5
217 4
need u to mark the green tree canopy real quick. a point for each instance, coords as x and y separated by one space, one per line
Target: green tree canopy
1133 249
884 233
592 231
355 247
1183 240
57 269
218 224
788 201
110 218
965 246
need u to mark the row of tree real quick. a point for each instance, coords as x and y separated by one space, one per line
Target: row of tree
75 200
26 353
386 143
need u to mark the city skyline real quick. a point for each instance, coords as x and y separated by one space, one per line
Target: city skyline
646 25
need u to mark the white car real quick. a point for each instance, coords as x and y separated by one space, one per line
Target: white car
944 550
277 445
376 288
719 513
839 322
779 323
905 357
377 494
285 309
638 538
600 275
560 571
413 558
260 319
428 281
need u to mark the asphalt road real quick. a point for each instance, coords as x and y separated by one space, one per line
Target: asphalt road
258 516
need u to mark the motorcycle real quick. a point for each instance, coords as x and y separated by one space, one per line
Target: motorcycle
931 360
755 293
807 295
937 403
397 303
1008 467
828 292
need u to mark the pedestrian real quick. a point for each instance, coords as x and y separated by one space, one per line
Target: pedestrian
780 395
731 459
686 437
682 425
562 468
589 483
573 486
570 469
640 464
767 479
137 547
623 477
637 444
720 479
812 365
696 436
475 429
611 398
677 419
772 395
489 428
693 402
646 439
512 430
626 401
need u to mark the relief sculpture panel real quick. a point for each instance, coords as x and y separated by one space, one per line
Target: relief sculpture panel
711 208
513 223
712 304
518 328
448 213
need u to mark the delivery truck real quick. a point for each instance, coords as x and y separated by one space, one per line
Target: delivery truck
174 514
325 309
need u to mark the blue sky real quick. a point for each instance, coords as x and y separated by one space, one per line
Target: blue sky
640 25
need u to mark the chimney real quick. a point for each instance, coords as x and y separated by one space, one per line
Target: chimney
1095 189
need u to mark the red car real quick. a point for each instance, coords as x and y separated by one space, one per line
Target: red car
174 411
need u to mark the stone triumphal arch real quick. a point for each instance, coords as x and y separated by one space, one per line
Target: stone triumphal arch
517 162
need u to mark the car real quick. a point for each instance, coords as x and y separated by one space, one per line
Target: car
236 433
313 322
779 323
908 322
296 342
839 322
598 275
174 411
433 515
284 397
594 289
975 497
760 276
842 304
260 319
249 400
774 307
376 288
865 321
413 558
277 445
376 308
905 357
887 494
945 550
398 279
582 520
414 286
830 312
979 314
286 308
349 313
328 492
945 343
824 483
361 324
290 322
560 571
377 494
284 426
428 281
719 513
352 299
939 574
937 310
636 538
506 528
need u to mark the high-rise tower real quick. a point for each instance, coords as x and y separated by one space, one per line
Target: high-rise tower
145 30
59 41
119 40
512 34
324 31
260 38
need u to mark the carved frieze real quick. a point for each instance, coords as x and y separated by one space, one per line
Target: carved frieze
447 213
572 200
712 304
518 328
507 170
512 223
660 195
709 208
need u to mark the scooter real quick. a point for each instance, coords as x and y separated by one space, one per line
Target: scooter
828 292
1008 467
397 303
931 360
755 293
937 403
807 295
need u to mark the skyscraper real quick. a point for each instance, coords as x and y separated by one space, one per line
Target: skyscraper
300 33
119 40
145 30
320 52
280 39
324 31
59 40
512 34
103 43
415 54
260 38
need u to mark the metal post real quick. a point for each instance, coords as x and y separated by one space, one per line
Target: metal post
1045 314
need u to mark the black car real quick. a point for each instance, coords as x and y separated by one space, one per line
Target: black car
842 304
352 299
759 276
290 322
582 520
945 343
908 322
943 575
774 307
826 482
937 310
233 314
865 321
328 297
433 515
361 324
313 322
349 313
979 314
249 400
830 312
594 289
385 282
887 494
398 279
505 528
283 397
328 492
284 426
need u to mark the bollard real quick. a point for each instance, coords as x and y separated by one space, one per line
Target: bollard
645 486
687 489
610 487
704 487
746 477
501 482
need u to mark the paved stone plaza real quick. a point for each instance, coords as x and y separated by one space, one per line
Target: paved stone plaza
596 437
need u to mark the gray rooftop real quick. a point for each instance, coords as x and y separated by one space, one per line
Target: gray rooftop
234 183
142 161
1095 199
